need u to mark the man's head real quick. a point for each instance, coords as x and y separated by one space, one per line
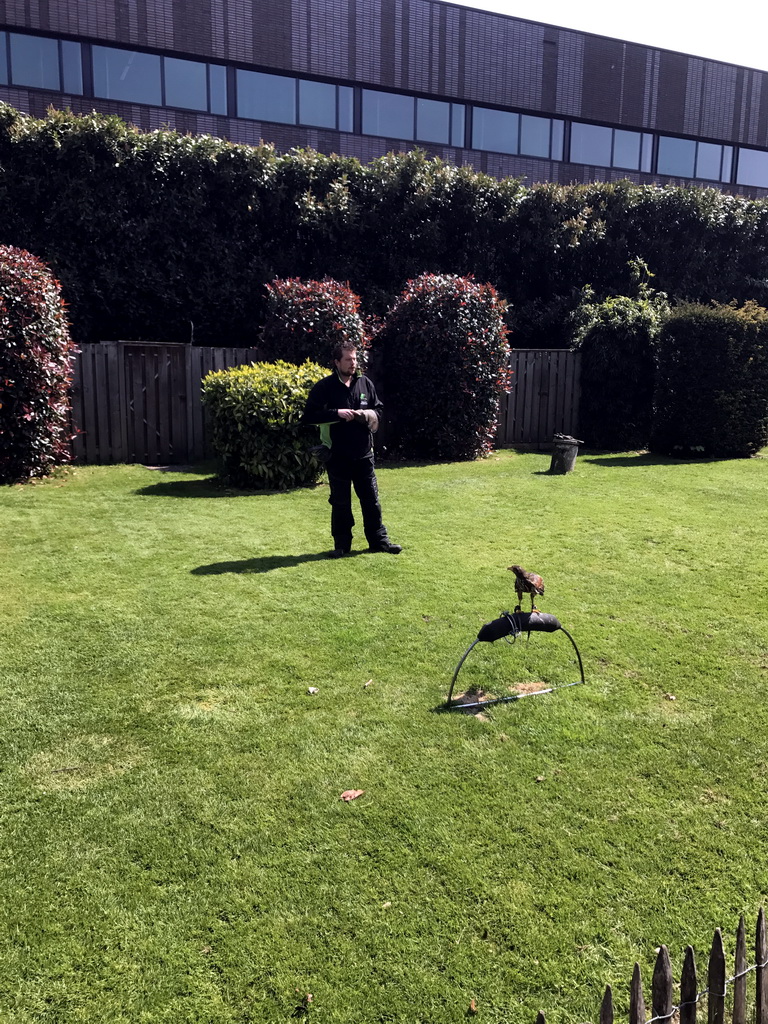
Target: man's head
345 359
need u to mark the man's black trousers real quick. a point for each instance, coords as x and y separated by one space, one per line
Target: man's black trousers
343 474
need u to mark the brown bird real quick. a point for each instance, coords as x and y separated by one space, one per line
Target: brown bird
526 583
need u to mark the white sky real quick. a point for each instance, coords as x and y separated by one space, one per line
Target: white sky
737 32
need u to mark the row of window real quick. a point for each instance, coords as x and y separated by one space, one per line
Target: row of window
112 73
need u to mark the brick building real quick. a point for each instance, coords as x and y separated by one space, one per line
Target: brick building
362 77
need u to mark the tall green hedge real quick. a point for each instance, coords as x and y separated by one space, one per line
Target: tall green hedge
712 382
162 235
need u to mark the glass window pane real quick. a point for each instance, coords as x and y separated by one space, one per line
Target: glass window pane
185 84
647 157
317 104
35 62
558 132
266 97
494 129
626 149
458 121
676 156
534 135
346 108
590 144
752 168
385 113
125 75
3 61
217 75
727 163
708 159
71 67
433 121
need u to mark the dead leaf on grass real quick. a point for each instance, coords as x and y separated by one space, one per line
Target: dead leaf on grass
369 683
312 689
351 794
670 696
472 1010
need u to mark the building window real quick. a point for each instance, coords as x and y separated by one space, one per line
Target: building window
263 97
611 147
71 67
317 104
186 84
496 130
433 121
458 123
34 62
217 85
686 158
388 114
752 168
3 58
346 108
126 75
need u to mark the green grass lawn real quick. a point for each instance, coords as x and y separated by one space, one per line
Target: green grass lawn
174 848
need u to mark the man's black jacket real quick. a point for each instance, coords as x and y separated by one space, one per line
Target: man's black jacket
350 439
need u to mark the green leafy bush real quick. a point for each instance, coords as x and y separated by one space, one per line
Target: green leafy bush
256 415
445 353
35 368
712 381
307 319
617 340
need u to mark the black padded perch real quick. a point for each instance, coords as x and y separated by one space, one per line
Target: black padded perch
512 624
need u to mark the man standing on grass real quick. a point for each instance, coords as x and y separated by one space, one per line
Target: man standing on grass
346 408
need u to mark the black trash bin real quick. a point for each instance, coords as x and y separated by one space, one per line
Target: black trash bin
566 448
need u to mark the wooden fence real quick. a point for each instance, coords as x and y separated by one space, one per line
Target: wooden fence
140 402
544 397
663 1007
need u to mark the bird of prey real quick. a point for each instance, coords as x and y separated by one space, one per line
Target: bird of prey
526 583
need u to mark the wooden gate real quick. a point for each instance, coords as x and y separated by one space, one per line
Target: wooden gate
140 401
544 397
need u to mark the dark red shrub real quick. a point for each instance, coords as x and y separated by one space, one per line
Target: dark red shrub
445 355
35 368
307 319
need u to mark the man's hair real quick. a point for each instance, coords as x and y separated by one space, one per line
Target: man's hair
341 347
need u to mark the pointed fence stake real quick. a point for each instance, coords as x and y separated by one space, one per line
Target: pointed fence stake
688 984
740 984
636 1001
606 1007
716 980
661 987
761 984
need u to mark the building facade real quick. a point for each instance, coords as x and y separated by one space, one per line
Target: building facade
364 77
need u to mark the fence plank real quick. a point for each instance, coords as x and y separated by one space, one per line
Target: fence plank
77 410
761 982
716 980
606 1007
90 419
688 983
636 1001
740 984
661 987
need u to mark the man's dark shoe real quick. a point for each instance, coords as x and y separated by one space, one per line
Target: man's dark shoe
387 546
338 552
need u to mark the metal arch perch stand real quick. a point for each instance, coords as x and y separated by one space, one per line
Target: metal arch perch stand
511 624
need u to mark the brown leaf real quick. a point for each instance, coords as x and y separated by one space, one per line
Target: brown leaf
351 794
472 1008
539 778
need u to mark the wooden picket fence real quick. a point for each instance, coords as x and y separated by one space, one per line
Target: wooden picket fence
663 1007
140 401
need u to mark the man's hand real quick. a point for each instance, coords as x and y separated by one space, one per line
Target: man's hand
346 414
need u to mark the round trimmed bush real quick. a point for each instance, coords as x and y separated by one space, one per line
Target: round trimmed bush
36 354
446 364
307 319
256 415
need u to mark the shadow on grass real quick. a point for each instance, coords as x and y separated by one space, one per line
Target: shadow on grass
266 564
641 459
210 487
